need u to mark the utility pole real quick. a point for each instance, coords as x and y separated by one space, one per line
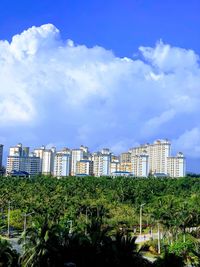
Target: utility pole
141 217
25 222
158 238
86 215
8 218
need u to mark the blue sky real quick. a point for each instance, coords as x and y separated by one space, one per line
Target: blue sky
118 25
100 73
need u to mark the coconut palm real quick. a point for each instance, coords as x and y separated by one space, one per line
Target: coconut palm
42 246
125 251
169 260
8 256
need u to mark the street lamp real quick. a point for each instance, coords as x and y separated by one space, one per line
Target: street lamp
9 202
70 228
158 238
141 217
86 217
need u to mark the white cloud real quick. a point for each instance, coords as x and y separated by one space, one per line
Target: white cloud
54 91
169 59
189 142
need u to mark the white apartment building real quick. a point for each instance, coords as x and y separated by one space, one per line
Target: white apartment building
126 167
19 159
140 164
1 155
29 164
102 163
114 167
62 163
176 166
46 159
158 153
85 151
77 155
16 150
125 157
85 167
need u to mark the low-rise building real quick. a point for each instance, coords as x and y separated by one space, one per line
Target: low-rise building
121 174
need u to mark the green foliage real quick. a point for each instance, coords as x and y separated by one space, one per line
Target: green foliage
185 249
173 203
16 219
8 256
169 260
49 245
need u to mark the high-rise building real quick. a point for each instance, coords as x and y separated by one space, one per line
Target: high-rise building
77 155
16 150
85 151
125 157
18 160
140 165
62 163
1 155
102 163
84 167
125 167
125 162
139 161
46 159
176 166
114 167
158 153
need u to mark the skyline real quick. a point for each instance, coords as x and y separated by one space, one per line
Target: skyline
108 86
161 148
147 159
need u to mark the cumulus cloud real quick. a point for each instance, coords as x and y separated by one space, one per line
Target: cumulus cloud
189 141
55 91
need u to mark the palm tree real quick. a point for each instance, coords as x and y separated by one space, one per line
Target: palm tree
126 253
169 259
8 256
42 246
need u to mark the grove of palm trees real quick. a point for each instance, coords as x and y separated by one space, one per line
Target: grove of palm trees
90 221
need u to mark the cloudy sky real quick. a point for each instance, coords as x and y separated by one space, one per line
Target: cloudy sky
98 82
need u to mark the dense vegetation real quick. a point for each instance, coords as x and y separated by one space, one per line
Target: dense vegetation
89 221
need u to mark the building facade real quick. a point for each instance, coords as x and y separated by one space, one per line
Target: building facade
141 161
77 155
30 164
20 160
158 153
125 157
85 167
140 165
62 164
176 166
102 163
1 156
114 167
46 159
